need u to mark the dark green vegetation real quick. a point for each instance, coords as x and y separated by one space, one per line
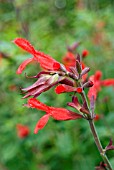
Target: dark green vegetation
51 25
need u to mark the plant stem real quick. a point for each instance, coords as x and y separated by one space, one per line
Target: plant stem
94 132
98 144
95 135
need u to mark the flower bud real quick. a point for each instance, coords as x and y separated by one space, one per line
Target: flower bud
88 84
78 67
85 70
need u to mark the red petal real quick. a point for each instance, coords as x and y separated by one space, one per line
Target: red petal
41 123
64 88
56 113
92 92
107 82
98 75
56 66
34 103
47 62
23 65
25 45
69 60
63 114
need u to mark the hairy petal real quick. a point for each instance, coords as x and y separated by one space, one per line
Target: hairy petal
56 113
34 103
23 65
47 62
25 45
63 114
41 123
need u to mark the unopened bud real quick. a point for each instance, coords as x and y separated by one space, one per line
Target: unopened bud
78 57
88 84
73 46
78 67
85 70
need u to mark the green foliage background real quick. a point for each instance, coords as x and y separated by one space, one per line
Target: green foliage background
51 25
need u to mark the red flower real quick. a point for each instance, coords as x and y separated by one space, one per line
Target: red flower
69 60
22 131
46 62
85 53
56 113
98 83
65 88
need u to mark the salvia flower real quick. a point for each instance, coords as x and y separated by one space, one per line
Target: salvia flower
45 61
98 84
56 113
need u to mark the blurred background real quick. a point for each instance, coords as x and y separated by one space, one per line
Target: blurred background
52 25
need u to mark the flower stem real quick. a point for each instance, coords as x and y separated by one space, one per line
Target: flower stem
98 144
95 135
94 132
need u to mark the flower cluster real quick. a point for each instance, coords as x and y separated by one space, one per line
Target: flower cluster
72 77
69 77
65 77
98 84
